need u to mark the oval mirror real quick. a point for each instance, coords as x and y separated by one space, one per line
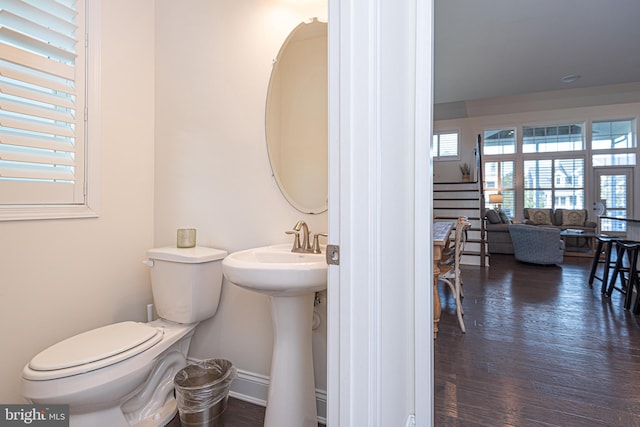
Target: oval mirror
296 119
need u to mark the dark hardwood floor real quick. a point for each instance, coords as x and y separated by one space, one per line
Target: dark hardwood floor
542 348
237 414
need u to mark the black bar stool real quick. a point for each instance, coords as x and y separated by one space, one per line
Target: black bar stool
604 244
633 250
630 249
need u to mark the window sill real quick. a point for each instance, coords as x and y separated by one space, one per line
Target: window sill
24 213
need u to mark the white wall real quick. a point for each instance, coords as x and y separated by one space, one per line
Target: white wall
61 277
213 62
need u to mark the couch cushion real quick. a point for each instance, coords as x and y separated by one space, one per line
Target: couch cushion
493 217
573 217
503 217
540 216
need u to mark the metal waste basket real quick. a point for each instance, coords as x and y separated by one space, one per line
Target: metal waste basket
202 390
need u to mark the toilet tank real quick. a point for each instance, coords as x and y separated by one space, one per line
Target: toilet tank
186 282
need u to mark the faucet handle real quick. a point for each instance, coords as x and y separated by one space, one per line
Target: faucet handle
296 241
316 243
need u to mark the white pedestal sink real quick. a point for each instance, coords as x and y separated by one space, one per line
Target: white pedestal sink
290 279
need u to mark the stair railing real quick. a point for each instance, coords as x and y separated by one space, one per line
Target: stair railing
480 182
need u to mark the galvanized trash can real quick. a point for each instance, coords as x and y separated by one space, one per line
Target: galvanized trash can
202 390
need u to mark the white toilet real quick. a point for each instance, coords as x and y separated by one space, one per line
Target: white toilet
122 374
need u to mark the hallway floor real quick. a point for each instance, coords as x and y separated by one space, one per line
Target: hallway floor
542 348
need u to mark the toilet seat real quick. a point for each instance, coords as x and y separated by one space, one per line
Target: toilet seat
93 350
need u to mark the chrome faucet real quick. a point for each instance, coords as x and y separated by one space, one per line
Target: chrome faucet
305 246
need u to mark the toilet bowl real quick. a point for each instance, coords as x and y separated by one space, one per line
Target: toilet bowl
122 374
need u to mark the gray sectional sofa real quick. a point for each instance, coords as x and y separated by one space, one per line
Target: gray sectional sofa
498 237
574 219
560 218
497 226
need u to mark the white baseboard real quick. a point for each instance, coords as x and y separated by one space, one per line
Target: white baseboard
253 388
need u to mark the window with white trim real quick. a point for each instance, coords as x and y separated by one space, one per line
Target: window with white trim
542 166
546 139
43 139
446 146
499 175
614 142
554 183
499 141
499 179
613 134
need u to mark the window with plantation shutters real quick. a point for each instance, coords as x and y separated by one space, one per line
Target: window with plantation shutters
554 183
499 179
42 102
445 146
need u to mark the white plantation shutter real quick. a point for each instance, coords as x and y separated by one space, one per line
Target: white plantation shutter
42 102
445 145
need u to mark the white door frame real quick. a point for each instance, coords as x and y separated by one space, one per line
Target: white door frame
380 318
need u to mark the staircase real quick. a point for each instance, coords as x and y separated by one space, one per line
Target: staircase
454 199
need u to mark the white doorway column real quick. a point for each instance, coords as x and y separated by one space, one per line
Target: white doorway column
380 357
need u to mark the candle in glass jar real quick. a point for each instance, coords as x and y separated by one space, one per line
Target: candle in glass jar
186 237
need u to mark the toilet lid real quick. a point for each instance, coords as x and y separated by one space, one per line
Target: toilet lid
109 344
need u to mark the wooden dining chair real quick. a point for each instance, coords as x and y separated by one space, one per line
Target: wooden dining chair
451 248
450 269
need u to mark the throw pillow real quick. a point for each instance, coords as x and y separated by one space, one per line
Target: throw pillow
503 217
493 217
540 216
576 217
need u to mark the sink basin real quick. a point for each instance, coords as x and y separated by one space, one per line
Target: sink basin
290 279
275 270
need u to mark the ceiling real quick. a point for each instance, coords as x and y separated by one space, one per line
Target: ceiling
494 48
